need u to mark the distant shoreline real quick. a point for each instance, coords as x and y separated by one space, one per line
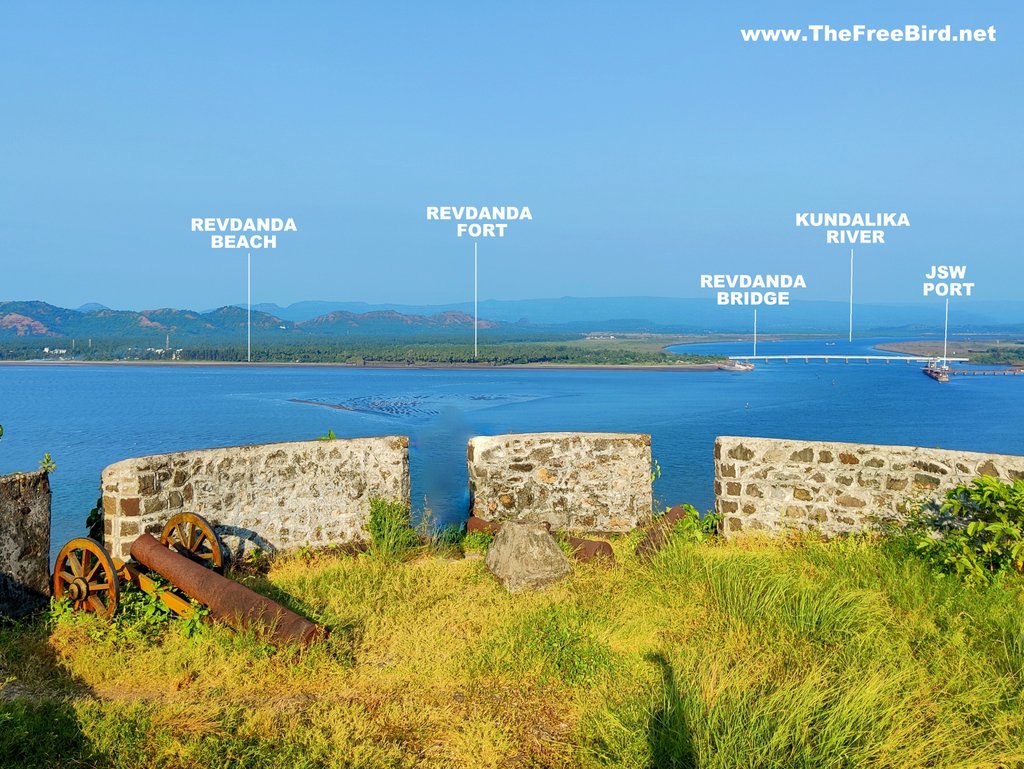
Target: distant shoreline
959 347
679 367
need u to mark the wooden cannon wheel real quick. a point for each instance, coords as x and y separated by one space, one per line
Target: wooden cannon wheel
85 575
192 535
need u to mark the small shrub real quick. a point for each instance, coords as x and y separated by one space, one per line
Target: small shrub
60 611
692 527
391 531
140 615
197 625
477 542
94 521
976 533
46 464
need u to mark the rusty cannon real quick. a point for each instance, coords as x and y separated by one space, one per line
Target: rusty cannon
188 555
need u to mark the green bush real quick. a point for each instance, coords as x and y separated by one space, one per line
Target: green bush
94 521
477 542
692 527
391 531
976 533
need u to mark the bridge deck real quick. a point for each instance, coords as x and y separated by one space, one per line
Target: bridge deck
847 358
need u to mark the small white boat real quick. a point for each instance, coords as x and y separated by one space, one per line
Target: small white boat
736 365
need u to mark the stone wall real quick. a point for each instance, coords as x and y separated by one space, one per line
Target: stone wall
771 485
275 496
24 542
597 482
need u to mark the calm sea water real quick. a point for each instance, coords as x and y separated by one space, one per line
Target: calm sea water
90 416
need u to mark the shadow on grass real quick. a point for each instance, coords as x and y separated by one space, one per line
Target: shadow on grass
342 636
39 726
668 734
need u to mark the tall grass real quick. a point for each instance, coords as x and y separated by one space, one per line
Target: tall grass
392 535
758 590
749 654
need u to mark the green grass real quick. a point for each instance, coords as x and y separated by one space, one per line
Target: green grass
751 654
390 526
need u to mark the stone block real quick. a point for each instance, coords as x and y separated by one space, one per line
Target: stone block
599 482
524 556
856 484
246 491
741 452
24 542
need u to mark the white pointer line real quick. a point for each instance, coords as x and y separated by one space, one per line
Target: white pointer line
476 322
851 295
248 313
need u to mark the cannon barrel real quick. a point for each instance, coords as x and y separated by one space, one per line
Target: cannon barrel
228 601
658 535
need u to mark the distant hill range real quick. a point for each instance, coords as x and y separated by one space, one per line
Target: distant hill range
559 318
39 319
690 316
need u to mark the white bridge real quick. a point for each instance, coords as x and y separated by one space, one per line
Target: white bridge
846 358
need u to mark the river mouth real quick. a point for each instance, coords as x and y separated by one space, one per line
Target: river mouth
93 416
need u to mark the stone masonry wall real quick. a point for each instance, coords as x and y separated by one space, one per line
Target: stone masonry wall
24 542
599 482
771 485
274 496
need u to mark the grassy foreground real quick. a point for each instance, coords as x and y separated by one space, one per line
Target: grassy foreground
798 654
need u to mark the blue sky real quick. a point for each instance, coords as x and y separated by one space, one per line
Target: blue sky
650 143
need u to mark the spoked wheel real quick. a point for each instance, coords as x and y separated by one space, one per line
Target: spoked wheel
85 575
192 535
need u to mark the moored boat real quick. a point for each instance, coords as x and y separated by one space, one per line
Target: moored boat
736 365
937 371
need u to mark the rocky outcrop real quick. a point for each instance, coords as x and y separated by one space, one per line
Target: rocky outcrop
524 556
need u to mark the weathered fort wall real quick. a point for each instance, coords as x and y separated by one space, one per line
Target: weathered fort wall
24 542
773 486
597 482
274 496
